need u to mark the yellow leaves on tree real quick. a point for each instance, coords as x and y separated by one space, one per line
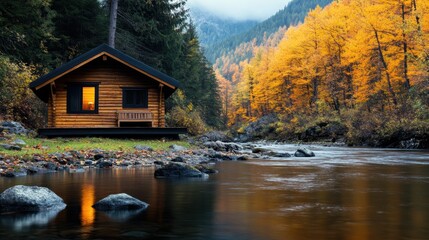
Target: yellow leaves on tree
351 53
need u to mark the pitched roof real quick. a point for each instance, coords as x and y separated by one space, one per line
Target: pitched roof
97 52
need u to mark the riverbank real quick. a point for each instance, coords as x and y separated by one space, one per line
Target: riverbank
357 132
22 155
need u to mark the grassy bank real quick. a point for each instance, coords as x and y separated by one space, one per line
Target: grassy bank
46 146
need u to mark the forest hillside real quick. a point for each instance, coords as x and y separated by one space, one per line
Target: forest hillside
356 69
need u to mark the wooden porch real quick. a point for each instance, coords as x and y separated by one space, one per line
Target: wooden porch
123 132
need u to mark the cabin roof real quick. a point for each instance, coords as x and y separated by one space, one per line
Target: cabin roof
95 53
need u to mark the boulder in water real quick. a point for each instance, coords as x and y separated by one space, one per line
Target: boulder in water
178 170
304 152
279 154
260 150
121 201
30 198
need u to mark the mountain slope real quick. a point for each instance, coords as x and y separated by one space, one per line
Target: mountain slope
212 29
292 14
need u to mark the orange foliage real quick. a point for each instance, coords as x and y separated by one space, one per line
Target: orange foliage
351 53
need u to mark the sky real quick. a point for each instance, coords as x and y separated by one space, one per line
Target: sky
240 9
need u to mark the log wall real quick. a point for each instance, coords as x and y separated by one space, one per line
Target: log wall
112 77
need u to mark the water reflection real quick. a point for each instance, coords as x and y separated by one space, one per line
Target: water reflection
87 212
340 197
123 215
21 221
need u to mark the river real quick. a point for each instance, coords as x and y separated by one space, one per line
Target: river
342 193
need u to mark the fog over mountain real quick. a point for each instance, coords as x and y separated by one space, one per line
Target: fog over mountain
240 9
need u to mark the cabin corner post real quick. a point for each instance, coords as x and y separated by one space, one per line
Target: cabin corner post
161 120
52 107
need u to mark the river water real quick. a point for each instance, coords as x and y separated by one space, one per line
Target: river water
342 193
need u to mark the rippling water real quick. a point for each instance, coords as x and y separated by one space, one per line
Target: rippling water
343 193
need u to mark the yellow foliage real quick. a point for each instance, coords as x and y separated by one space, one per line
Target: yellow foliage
351 53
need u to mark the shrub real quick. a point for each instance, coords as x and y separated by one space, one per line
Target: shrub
190 119
17 101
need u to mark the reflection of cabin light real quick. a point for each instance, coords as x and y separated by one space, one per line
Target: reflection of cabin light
87 212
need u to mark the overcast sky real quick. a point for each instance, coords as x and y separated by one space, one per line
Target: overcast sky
241 9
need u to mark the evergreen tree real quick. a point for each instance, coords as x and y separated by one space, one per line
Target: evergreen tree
26 28
151 31
157 33
80 25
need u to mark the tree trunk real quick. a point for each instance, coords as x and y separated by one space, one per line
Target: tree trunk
414 5
112 23
383 61
405 48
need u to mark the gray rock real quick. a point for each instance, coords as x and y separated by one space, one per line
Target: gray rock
99 156
215 136
178 170
175 147
14 127
19 142
242 158
13 173
121 201
178 159
76 170
279 154
410 144
50 166
89 162
222 146
259 150
159 163
304 152
143 148
204 169
104 164
11 147
30 198
34 170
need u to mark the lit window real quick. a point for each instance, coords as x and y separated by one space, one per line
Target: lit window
82 98
88 98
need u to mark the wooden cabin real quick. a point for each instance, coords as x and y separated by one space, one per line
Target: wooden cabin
104 92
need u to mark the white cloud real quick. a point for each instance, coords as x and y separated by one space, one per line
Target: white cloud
241 9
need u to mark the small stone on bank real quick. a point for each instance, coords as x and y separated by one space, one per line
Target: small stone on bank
19 142
143 148
11 147
175 147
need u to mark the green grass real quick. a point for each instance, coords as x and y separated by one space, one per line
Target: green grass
34 145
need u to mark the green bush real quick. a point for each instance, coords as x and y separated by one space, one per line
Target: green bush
190 119
17 101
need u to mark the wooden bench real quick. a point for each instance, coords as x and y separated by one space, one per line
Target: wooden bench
134 116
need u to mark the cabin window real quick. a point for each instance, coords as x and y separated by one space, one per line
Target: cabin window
134 98
82 98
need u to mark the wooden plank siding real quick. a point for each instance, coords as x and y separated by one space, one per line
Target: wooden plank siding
112 77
